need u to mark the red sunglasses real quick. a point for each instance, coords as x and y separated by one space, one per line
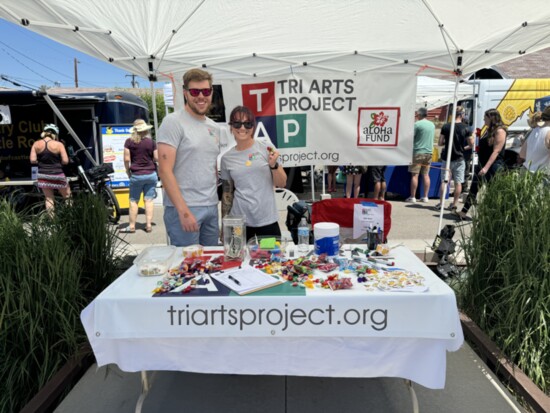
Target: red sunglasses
196 92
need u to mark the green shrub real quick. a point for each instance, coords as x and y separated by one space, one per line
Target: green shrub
507 289
161 106
50 269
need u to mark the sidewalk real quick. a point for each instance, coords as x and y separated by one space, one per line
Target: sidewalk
470 387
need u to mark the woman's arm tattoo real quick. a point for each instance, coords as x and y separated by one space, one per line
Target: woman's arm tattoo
227 196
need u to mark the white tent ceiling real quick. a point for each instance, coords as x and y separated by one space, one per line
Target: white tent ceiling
263 38
433 93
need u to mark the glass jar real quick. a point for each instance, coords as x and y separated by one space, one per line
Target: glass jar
234 237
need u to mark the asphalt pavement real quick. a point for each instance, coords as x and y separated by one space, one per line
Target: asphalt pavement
470 387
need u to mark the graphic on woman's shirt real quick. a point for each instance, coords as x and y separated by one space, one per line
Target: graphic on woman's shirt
251 157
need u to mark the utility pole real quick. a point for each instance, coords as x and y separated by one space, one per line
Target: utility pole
76 62
133 79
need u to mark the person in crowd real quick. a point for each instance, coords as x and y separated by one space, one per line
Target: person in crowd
249 172
140 157
423 145
50 154
188 147
353 179
331 178
535 151
376 176
469 146
490 156
458 164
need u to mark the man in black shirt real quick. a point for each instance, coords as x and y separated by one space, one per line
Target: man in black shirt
457 167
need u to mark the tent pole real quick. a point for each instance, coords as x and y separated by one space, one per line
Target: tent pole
312 175
56 110
323 181
474 151
154 102
448 160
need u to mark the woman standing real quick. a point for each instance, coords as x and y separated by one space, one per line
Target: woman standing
331 178
249 171
490 156
50 155
353 179
140 157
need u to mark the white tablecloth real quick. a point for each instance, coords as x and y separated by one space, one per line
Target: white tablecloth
408 335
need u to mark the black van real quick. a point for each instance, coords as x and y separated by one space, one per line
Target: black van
23 115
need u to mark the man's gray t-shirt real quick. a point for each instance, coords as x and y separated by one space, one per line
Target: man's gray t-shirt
254 196
197 143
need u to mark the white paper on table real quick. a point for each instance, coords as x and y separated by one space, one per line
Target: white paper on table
366 216
246 279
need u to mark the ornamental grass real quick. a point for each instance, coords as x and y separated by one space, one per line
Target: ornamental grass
507 287
51 268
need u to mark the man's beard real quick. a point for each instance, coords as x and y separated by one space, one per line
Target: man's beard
196 110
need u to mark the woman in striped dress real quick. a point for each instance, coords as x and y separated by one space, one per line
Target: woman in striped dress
50 155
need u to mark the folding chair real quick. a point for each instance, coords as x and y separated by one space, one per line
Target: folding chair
284 198
340 211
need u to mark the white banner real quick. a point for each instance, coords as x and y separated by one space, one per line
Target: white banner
331 119
346 314
168 95
326 118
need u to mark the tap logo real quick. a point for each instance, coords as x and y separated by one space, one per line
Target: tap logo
378 126
284 130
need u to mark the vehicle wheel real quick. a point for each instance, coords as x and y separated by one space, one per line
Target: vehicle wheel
111 203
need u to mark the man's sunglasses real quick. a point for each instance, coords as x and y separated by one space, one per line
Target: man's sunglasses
196 92
237 125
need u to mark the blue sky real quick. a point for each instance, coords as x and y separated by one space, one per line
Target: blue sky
31 59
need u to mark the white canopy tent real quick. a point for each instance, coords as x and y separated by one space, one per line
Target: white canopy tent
433 93
161 39
255 38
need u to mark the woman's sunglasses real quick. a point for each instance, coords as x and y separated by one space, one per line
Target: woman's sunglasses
237 125
197 92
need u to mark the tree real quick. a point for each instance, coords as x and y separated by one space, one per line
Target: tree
161 107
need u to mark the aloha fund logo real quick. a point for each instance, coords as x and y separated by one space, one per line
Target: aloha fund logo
378 126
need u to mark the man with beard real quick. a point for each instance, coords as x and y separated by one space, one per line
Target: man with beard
188 147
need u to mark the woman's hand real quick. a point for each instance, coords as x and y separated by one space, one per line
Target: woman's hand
272 157
482 172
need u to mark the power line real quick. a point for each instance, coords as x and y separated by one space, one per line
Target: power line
80 81
27 67
134 82
35 61
55 48
19 84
